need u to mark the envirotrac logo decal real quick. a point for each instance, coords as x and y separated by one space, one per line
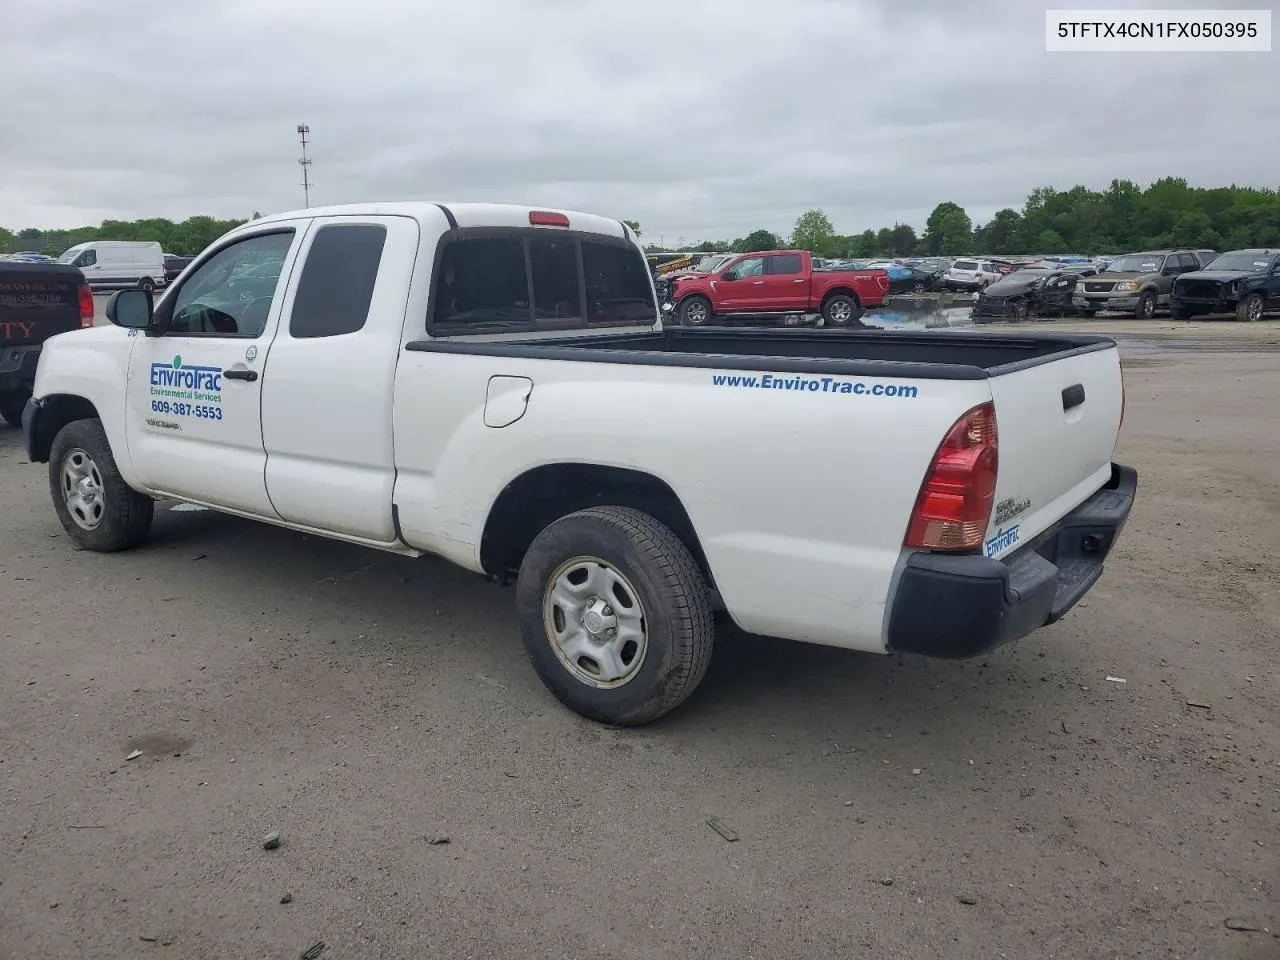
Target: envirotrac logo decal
187 391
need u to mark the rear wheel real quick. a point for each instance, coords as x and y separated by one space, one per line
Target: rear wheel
12 403
97 508
841 310
1146 308
1249 310
147 284
695 310
614 615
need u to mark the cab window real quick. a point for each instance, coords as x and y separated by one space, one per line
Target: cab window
230 294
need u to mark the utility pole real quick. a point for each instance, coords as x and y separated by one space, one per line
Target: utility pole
305 162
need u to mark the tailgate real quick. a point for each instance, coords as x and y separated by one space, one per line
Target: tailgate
35 307
1057 424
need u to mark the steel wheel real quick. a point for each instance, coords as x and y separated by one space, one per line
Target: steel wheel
82 489
595 622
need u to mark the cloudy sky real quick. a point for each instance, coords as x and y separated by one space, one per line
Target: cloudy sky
699 118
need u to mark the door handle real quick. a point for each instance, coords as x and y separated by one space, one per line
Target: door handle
759 283
249 375
1072 396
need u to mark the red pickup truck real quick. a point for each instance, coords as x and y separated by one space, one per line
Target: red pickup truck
778 282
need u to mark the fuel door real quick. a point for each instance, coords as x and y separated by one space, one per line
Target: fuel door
506 400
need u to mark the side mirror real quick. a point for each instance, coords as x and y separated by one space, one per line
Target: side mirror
131 309
729 275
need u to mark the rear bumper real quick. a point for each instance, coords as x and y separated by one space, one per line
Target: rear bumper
960 606
18 367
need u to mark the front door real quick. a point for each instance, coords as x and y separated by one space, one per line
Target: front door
786 286
741 288
194 396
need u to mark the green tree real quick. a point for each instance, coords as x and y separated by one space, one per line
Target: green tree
8 242
813 231
1050 241
30 233
633 224
903 240
756 240
948 230
1003 234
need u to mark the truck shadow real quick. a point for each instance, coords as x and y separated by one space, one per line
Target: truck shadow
813 692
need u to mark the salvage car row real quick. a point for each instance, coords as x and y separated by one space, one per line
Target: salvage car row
792 284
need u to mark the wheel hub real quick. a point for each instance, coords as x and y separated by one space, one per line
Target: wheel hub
595 622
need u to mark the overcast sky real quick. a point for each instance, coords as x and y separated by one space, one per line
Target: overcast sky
701 119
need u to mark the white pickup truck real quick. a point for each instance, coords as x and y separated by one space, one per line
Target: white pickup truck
493 384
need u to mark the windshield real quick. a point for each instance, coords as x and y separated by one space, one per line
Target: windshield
1244 261
1137 263
1029 273
70 255
709 264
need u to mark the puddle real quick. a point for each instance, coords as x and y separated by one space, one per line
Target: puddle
923 313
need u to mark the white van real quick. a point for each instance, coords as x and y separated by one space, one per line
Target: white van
118 264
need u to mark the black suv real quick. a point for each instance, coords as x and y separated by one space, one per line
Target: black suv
1243 282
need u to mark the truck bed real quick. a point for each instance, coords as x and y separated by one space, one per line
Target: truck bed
945 355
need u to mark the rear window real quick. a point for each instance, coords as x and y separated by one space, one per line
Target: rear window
534 280
785 264
965 265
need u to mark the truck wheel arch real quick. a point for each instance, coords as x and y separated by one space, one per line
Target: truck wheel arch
56 411
841 292
542 495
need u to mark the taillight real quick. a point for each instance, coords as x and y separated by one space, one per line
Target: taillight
954 506
86 306
883 281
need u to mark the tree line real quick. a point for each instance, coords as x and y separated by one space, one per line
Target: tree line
1124 217
185 239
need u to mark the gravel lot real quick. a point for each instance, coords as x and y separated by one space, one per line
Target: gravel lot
1019 805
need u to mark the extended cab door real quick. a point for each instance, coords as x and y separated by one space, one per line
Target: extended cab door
194 423
786 282
741 288
327 395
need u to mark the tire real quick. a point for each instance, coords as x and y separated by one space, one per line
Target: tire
695 311
635 556
841 310
1179 313
12 403
1146 309
1021 312
147 284
1250 309
1090 314
110 515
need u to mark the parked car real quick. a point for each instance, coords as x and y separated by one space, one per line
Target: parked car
970 274
400 389
776 283
1243 282
1137 283
174 265
118 264
1035 291
37 301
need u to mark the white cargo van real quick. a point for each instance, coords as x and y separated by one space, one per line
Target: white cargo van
118 264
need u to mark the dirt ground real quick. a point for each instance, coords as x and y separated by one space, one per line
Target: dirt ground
1021 805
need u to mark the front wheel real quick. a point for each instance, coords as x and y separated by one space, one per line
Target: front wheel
1146 308
97 508
1249 310
1179 313
614 615
841 310
695 311
147 284
12 403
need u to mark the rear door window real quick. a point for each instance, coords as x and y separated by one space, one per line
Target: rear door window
785 264
488 281
337 281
